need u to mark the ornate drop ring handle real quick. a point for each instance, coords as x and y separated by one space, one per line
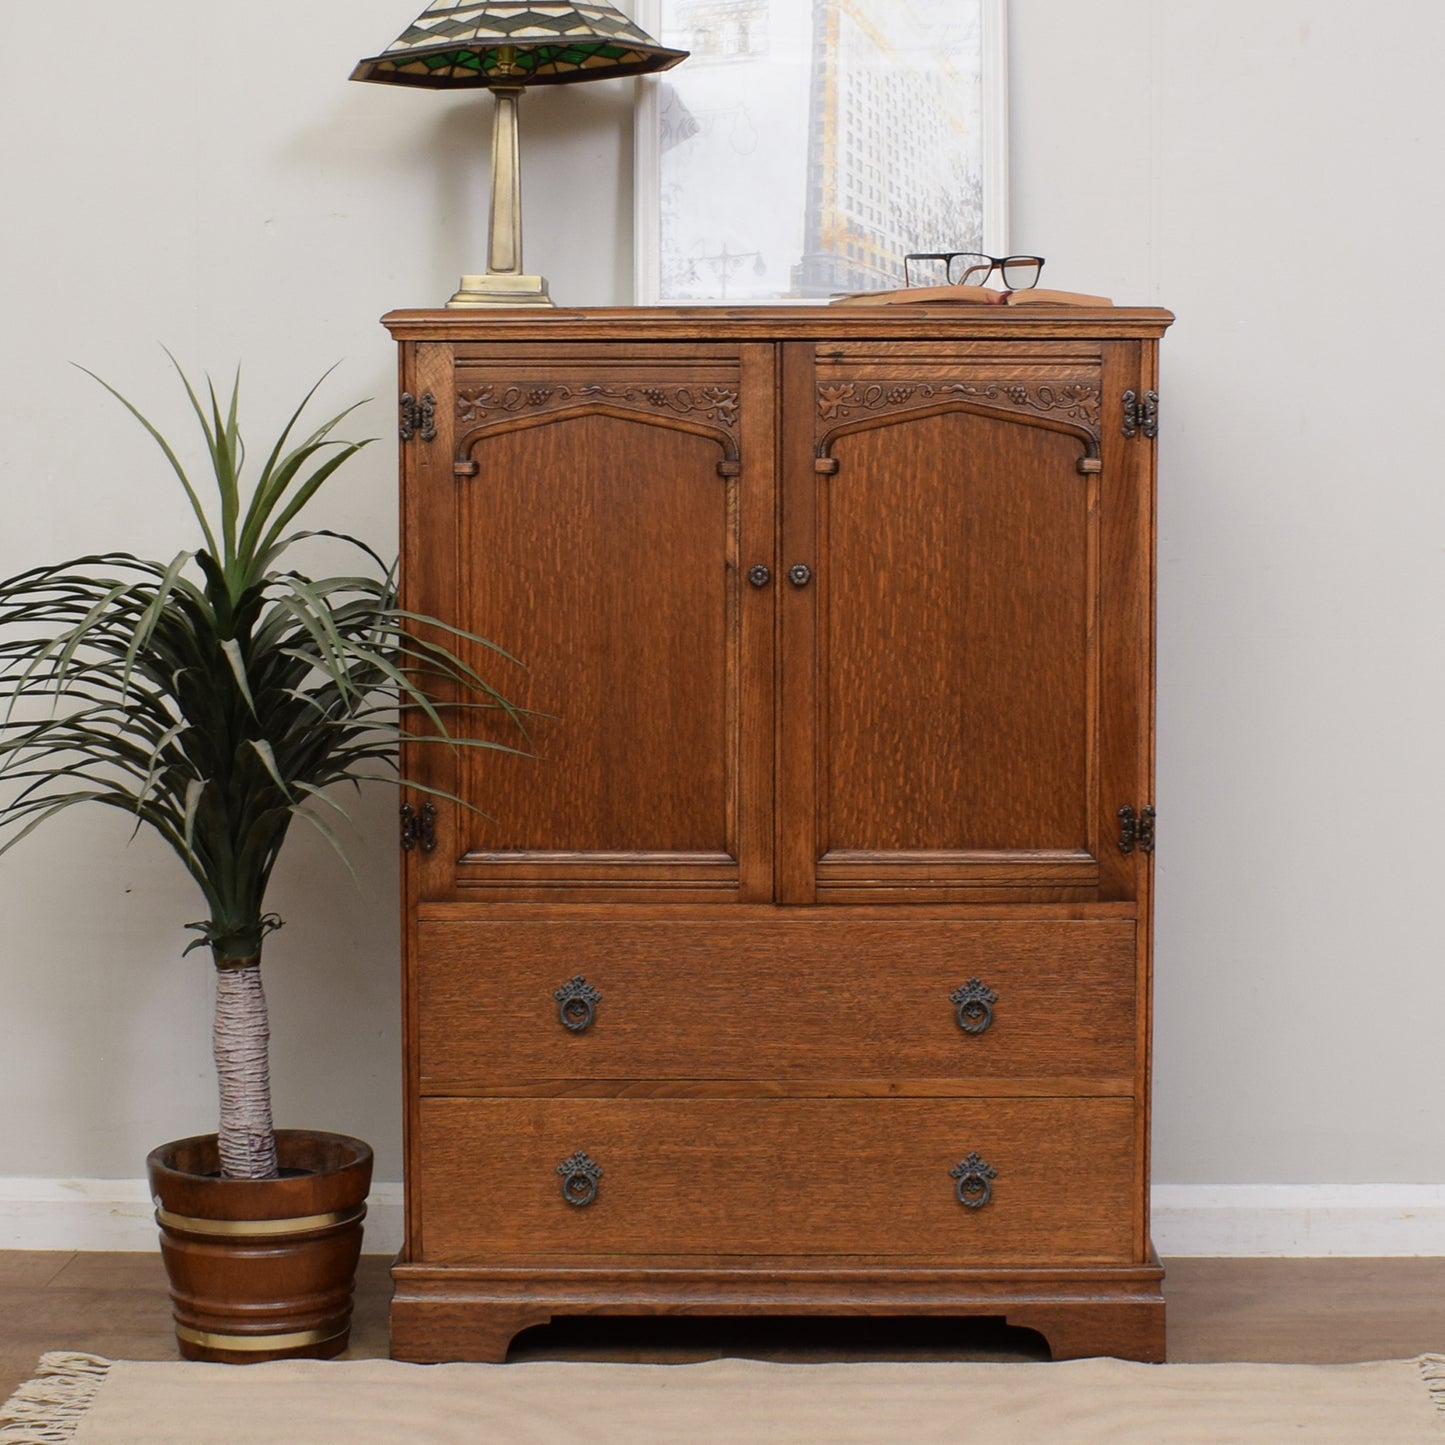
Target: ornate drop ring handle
579 1179
974 1187
577 1004
975 1002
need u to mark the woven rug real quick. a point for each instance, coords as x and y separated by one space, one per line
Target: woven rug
90 1401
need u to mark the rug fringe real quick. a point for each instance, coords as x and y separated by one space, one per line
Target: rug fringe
48 1409
1432 1367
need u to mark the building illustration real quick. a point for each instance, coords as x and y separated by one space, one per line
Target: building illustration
807 147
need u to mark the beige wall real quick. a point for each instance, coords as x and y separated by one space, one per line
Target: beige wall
1267 170
1271 172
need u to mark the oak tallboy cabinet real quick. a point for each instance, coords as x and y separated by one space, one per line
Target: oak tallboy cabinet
803 964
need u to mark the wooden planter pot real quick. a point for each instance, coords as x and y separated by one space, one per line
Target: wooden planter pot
262 1269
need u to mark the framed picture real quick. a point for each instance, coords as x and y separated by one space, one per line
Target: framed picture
806 146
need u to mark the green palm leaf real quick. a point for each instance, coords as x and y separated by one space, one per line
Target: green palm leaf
217 696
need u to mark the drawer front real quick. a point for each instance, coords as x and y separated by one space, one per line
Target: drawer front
787 998
778 1177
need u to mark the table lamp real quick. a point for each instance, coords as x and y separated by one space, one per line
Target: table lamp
504 49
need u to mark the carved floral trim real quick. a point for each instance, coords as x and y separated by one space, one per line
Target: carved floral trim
717 405
1072 401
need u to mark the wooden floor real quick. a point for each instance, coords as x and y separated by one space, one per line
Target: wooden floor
1294 1310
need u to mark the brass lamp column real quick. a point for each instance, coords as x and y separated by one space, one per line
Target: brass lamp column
504 284
504 48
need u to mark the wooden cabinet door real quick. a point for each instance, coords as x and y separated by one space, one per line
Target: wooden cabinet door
594 510
965 699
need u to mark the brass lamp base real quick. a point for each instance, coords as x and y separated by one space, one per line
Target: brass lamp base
501 289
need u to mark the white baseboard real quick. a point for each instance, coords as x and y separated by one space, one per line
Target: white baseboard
93 1214
1189 1219
1368 1220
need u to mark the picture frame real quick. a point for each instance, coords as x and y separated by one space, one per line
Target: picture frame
805 146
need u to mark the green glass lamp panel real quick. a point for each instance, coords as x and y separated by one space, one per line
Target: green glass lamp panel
573 56
530 59
452 59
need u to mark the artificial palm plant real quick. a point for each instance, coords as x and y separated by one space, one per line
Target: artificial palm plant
217 698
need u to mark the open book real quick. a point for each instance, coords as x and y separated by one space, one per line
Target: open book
968 296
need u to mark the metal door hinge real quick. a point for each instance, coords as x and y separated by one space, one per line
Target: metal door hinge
418 418
418 827
1136 830
1141 416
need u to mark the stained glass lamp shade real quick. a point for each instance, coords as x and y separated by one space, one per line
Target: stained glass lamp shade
504 48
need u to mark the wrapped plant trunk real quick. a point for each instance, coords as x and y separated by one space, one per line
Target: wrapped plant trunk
217 698
241 1041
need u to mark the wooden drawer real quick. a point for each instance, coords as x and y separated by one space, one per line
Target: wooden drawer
777 1177
787 997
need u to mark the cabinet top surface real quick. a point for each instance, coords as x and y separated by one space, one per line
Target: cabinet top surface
777 323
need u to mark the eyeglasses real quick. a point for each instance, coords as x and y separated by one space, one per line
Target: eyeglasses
968 268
